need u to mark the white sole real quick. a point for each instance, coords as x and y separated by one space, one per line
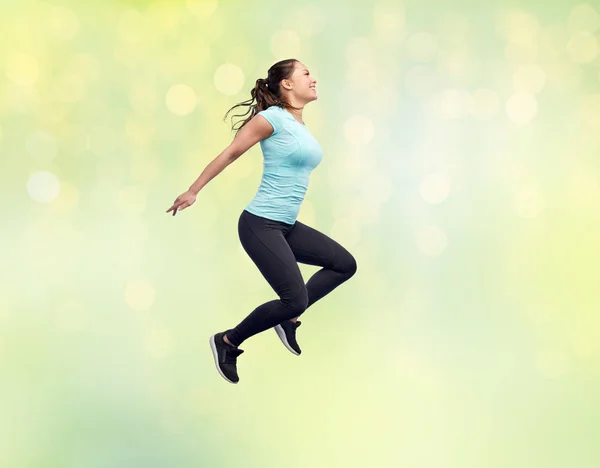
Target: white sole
281 335
213 346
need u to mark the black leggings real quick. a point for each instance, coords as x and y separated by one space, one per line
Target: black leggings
275 247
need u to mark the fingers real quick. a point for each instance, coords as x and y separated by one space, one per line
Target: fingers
178 207
180 204
175 206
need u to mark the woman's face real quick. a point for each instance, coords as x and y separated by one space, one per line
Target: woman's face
303 85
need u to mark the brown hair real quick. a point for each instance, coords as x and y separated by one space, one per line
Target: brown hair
266 92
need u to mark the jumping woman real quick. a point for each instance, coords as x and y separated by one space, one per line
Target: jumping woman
267 227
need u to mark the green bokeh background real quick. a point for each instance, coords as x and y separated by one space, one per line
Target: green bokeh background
461 159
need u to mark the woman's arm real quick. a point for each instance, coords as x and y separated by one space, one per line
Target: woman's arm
255 130
258 128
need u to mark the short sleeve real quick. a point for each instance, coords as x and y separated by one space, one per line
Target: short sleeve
272 117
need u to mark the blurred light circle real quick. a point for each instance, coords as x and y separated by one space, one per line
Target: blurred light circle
308 212
420 80
522 108
551 364
583 47
286 43
312 18
229 79
529 78
71 88
358 130
163 14
589 112
181 99
43 186
519 26
202 8
139 295
528 202
23 99
435 188
454 27
158 342
67 199
71 315
131 26
130 201
377 188
101 140
144 99
431 240
486 103
583 18
22 69
346 231
456 62
585 340
62 23
42 145
521 52
361 74
422 47
389 21
454 104
359 49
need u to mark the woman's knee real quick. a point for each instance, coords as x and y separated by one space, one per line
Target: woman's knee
346 264
296 302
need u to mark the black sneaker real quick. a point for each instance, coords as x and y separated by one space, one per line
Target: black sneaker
225 357
286 331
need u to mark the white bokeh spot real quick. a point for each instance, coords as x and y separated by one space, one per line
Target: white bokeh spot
422 47
522 108
202 8
583 18
583 47
131 201
43 186
139 295
359 130
453 104
286 43
62 23
42 145
435 188
431 240
181 99
486 103
229 79
528 202
22 69
529 79
102 140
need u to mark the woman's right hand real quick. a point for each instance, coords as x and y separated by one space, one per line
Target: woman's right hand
183 201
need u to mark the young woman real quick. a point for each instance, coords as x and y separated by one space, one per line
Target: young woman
267 227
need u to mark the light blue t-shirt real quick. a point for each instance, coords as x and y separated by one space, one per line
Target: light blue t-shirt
290 154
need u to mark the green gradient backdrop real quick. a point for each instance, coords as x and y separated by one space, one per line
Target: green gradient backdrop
461 159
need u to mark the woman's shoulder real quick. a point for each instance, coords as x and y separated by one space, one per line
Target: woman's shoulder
275 115
274 109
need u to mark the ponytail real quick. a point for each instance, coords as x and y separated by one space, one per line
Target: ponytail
266 93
